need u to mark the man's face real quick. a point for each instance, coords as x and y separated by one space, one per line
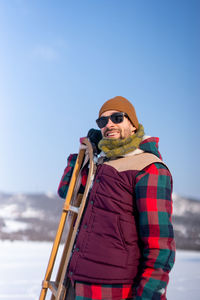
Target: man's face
117 131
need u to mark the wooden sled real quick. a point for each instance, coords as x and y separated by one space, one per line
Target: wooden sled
72 212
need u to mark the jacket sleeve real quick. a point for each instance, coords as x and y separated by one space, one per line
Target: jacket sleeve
153 191
65 180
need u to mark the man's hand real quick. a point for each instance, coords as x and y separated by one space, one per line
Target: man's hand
95 136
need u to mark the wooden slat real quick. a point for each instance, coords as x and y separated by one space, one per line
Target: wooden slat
53 287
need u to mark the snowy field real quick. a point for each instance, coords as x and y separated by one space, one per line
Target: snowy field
23 265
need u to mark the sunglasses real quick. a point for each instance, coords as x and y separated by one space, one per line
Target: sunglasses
116 118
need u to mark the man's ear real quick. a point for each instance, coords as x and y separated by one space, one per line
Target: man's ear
133 130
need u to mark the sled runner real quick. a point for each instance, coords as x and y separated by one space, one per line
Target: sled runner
72 213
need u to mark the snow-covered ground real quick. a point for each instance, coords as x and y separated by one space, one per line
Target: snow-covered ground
22 269
23 265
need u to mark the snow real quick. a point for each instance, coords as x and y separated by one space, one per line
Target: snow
11 213
32 213
181 228
50 194
23 265
186 206
13 226
9 210
185 276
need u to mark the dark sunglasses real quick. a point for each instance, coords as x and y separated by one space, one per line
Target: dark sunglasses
116 118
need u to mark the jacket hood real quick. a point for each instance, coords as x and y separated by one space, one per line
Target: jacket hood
150 145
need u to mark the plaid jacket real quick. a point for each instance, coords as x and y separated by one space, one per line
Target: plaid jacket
153 190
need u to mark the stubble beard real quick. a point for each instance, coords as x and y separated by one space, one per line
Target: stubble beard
122 133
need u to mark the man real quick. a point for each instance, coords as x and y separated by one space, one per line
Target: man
125 247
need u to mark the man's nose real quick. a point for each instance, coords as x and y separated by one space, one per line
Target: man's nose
110 123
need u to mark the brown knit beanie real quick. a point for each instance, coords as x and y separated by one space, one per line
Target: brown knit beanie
121 104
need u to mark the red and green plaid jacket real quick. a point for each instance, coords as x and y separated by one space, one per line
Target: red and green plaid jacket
153 190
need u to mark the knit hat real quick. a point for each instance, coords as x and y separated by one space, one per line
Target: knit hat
121 104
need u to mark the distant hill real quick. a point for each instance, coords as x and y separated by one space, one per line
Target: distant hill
186 221
35 217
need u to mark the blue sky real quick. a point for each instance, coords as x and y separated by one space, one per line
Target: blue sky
59 62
